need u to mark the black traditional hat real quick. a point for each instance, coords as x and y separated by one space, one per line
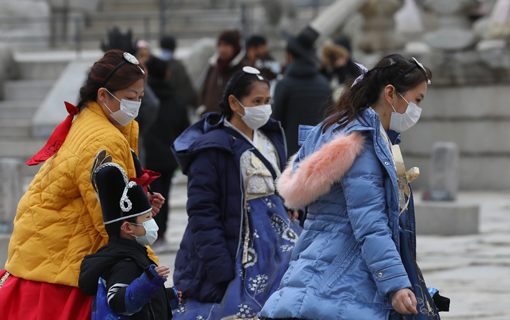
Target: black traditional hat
303 44
120 198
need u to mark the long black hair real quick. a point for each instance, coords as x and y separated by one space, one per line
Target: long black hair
392 69
240 86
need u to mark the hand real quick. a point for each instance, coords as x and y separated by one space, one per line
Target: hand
162 271
404 302
156 201
179 293
293 214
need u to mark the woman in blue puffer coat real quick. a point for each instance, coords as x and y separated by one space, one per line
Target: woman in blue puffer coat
348 262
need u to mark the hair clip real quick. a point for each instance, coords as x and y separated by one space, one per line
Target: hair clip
423 68
133 60
127 57
254 71
364 71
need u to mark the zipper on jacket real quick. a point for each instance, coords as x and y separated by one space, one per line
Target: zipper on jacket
242 208
152 310
284 144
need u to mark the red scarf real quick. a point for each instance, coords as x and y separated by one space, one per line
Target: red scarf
56 139
146 178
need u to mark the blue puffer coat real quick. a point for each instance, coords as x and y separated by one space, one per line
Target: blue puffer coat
346 264
210 157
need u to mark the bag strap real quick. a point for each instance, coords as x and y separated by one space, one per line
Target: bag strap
255 151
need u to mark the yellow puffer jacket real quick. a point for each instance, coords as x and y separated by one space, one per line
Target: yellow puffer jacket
59 219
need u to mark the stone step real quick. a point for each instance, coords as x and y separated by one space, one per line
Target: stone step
20 148
18 109
40 70
155 13
128 5
27 89
15 128
188 19
181 32
138 5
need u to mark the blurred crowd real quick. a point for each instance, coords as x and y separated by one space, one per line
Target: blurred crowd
311 80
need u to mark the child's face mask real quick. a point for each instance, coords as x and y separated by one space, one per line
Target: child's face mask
151 233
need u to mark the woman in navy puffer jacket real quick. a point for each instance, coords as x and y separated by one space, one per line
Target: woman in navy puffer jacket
239 238
347 264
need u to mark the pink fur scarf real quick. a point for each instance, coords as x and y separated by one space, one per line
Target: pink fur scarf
319 171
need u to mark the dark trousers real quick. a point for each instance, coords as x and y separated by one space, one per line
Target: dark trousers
163 185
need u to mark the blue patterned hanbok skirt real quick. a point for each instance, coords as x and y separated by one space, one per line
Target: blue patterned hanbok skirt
272 237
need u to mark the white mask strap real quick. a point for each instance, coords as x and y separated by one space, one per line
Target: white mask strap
112 96
403 97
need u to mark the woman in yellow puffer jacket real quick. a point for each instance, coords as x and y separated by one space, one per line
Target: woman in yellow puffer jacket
59 219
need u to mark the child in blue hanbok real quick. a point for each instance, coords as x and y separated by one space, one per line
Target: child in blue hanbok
239 237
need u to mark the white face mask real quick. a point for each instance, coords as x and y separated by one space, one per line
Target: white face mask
257 116
127 112
402 121
151 233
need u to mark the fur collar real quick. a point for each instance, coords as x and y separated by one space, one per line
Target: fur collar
317 172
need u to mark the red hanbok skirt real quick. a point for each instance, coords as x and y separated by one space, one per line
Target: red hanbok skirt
31 300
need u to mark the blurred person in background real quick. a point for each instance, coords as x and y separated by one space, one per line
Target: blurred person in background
171 121
301 97
228 59
334 57
178 77
257 52
349 71
143 51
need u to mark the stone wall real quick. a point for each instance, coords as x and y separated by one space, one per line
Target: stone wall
477 119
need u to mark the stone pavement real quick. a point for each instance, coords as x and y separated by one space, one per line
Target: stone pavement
473 270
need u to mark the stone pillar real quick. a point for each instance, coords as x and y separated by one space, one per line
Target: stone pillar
444 171
11 190
379 29
454 31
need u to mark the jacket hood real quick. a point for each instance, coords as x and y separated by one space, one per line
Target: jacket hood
326 157
302 68
204 134
95 265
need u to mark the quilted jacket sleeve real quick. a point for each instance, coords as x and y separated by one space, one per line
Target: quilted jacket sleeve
205 217
367 212
120 151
